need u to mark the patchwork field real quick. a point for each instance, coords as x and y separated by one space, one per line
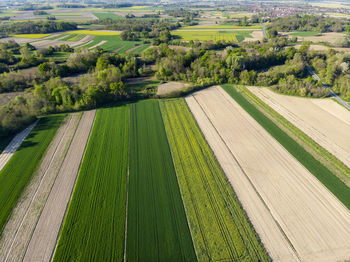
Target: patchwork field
332 133
44 237
305 33
21 167
100 194
219 227
214 35
107 15
296 217
157 228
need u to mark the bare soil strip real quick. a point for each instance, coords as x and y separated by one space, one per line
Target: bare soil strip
45 235
170 87
325 121
296 217
8 152
98 44
86 39
19 229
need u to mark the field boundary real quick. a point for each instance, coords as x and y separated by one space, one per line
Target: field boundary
315 167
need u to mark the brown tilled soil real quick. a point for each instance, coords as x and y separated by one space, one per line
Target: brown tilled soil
19 229
45 235
296 217
325 121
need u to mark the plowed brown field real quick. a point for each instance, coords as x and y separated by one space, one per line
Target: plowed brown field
297 218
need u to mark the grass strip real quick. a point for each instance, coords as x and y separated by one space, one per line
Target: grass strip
93 229
340 166
19 170
220 228
322 173
157 225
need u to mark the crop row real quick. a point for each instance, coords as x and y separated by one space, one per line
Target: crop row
219 226
94 225
321 172
20 169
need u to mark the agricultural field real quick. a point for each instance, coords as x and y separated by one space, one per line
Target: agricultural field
20 169
94 32
219 227
107 15
110 43
157 228
32 36
305 33
332 132
304 212
205 35
100 194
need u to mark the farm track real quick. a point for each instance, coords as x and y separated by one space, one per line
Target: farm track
332 132
18 230
16 142
296 217
43 240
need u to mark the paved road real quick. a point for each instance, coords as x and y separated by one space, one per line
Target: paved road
325 86
264 30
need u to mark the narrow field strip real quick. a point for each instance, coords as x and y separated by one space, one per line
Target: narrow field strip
45 235
285 202
19 170
322 173
16 142
157 224
93 229
219 226
19 228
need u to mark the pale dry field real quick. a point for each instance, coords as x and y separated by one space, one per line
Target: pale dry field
167 88
324 37
43 241
16 142
325 121
296 217
256 36
20 227
6 97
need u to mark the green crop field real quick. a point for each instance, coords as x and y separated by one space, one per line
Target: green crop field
19 170
107 15
219 226
322 173
113 43
205 35
157 226
305 33
73 37
140 49
94 225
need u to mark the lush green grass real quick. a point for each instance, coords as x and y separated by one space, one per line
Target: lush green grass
220 229
145 89
93 229
205 35
113 43
305 33
107 15
322 173
224 26
157 227
140 49
19 170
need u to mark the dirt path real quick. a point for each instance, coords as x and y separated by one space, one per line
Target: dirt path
98 44
19 229
16 142
45 235
296 217
325 121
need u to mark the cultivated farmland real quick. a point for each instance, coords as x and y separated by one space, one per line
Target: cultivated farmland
45 235
296 217
220 228
18 231
19 170
157 228
99 194
325 121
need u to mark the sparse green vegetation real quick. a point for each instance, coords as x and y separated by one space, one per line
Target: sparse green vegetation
107 15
